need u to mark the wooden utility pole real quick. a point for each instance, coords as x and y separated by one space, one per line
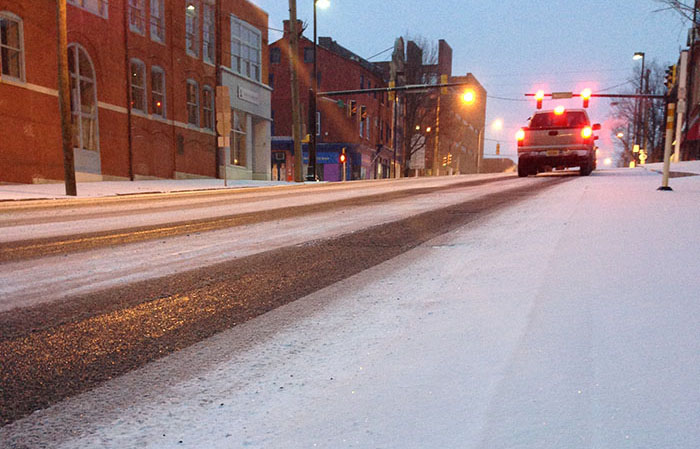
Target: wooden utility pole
296 106
64 99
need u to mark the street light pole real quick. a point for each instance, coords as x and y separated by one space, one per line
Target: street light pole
638 106
311 172
478 151
64 100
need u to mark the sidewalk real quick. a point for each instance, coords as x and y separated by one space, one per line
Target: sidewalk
15 192
10 192
685 167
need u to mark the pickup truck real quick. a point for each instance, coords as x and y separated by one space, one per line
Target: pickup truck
557 139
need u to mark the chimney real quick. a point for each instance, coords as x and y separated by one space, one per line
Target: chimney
300 27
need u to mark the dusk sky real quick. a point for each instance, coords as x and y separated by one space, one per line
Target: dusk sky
511 46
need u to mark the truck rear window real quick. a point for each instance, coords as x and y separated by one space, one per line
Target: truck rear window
569 119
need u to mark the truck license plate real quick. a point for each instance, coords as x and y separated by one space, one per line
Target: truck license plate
553 153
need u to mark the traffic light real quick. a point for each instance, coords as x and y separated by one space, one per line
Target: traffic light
352 108
444 161
449 158
342 158
363 112
670 78
539 96
498 149
585 96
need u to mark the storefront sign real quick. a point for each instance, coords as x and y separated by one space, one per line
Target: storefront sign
248 95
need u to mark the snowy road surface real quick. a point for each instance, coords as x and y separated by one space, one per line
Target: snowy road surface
568 320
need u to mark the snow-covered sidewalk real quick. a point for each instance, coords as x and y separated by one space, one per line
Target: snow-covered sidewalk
114 188
569 320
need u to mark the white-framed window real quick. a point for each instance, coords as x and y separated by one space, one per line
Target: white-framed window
239 121
209 31
137 16
97 7
11 46
192 102
158 21
158 92
138 85
83 99
208 108
245 49
369 126
192 28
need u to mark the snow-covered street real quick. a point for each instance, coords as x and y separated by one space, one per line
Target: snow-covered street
569 320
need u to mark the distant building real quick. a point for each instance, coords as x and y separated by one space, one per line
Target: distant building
452 141
143 84
360 123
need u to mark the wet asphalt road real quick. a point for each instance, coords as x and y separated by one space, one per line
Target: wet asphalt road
53 351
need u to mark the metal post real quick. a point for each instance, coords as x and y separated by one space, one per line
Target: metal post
667 146
64 99
311 172
127 69
478 151
396 113
641 102
683 93
293 63
436 158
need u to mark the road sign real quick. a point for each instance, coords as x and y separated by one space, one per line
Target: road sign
562 95
223 111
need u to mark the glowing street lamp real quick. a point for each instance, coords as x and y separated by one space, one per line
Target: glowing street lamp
468 97
497 125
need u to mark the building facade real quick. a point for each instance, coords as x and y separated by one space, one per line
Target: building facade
144 76
361 124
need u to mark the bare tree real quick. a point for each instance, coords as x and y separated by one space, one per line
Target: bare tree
420 105
684 8
649 113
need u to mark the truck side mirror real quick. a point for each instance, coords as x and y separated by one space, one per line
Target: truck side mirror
596 126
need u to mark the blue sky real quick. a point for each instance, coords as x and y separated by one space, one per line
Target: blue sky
511 46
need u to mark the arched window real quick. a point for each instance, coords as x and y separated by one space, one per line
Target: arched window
158 91
83 99
11 46
208 108
138 85
192 103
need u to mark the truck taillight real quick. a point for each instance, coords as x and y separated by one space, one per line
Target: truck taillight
586 132
520 136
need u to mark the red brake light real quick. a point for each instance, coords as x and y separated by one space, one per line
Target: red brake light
520 135
559 110
586 132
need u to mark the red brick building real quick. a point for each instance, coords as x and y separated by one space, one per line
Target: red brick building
360 123
143 82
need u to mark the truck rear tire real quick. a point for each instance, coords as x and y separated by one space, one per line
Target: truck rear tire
523 171
586 168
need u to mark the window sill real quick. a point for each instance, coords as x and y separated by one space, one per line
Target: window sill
7 79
